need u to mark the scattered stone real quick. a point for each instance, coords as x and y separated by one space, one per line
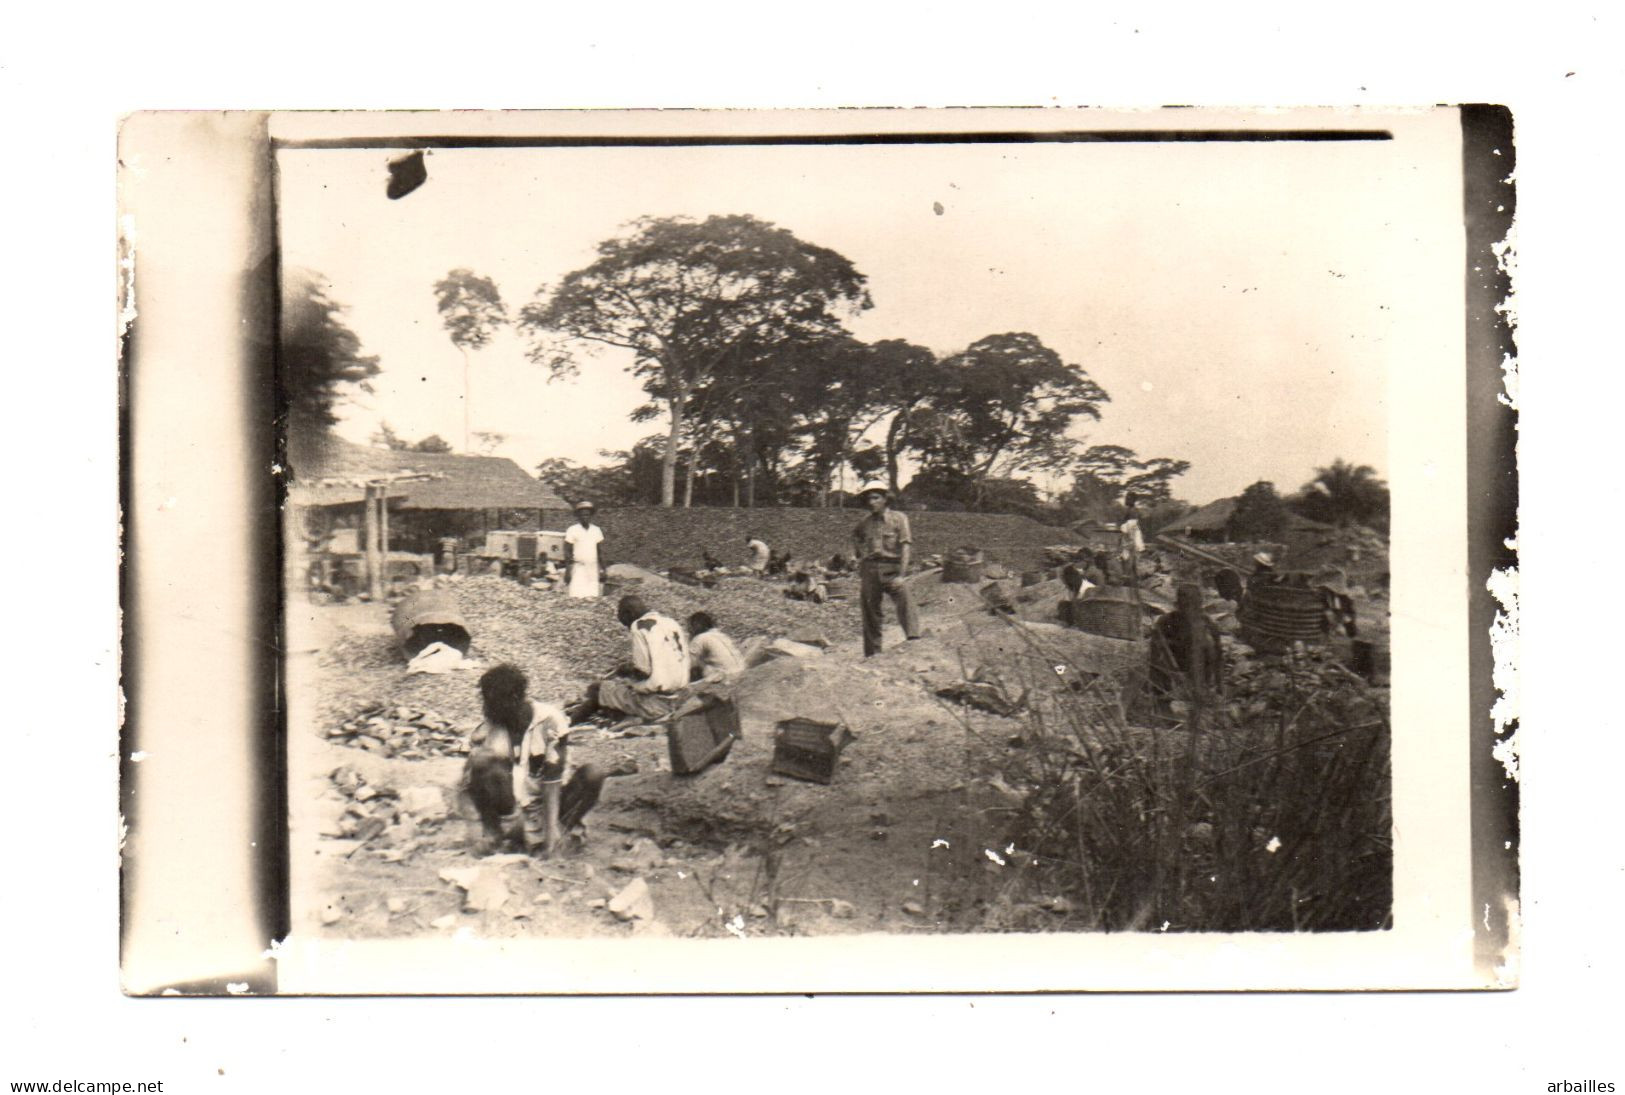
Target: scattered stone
505 859
775 781
880 817
644 855
396 904
483 887
347 779
332 914
789 648
370 828
444 921
597 903
634 902
365 793
914 908
759 911
543 898
426 803
879 834
1058 905
842 910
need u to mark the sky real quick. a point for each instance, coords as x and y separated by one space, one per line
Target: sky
1248 307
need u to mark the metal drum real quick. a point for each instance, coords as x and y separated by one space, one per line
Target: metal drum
1282 609
427 616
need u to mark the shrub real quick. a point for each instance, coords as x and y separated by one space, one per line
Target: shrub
1267 815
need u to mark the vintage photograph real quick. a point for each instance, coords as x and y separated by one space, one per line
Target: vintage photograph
776 532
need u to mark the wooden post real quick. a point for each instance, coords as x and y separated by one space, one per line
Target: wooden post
383 526
1193 637
369 517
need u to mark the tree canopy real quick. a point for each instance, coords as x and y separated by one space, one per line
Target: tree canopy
470 307
385 437
1345 494
318 357
682 295
1259 514
1004 407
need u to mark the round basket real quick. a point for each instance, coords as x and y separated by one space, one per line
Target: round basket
1107 616
955 571
1277 614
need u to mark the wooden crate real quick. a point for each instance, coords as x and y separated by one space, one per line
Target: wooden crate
808 749
699 738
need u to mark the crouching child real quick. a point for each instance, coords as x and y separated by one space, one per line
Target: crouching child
516 768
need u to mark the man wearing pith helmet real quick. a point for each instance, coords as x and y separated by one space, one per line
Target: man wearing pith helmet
882 543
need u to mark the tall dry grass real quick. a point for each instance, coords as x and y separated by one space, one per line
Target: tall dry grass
1268 812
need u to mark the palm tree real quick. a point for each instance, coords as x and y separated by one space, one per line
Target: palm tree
472 310
1345 494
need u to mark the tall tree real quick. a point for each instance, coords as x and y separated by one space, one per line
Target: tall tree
1004 409
1345 494
318 357
680 294
1153 483
471 308
1105 476
906 375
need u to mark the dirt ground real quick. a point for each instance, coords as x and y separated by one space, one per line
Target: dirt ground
911 836
916 833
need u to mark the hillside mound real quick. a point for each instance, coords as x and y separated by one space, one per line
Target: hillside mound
654 536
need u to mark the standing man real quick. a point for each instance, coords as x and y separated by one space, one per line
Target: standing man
882 543
1131 539
581 552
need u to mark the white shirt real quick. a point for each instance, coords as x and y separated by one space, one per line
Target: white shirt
660 652
584 541
547 724
715 655
1131 528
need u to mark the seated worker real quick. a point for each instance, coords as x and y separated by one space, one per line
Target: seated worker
760 553
808 586
535 734
651 687
712 655
1080 583
1170 658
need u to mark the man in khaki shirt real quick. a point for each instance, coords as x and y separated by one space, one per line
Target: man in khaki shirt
882 544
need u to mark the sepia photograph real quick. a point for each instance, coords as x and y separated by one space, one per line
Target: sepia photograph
868 527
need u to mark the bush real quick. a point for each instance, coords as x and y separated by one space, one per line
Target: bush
1273 816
